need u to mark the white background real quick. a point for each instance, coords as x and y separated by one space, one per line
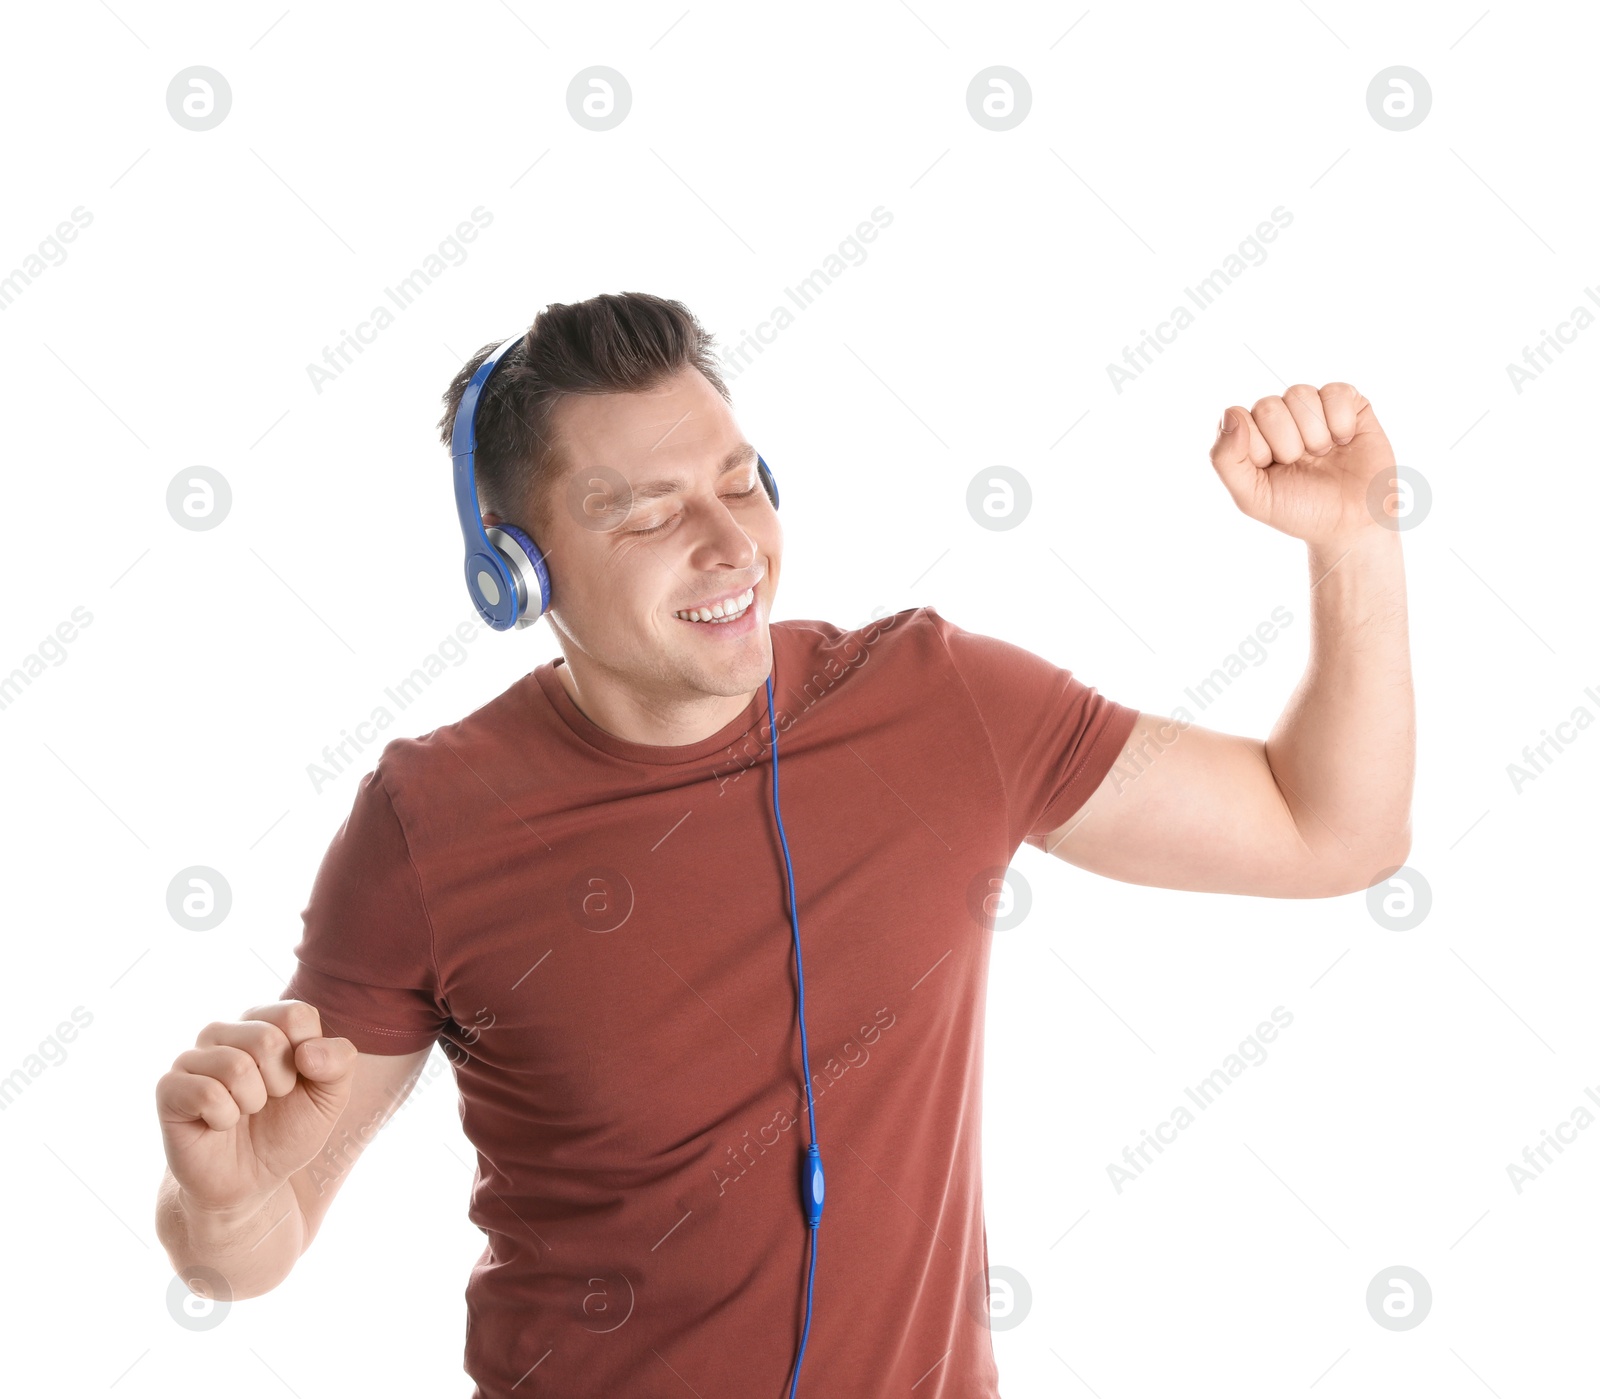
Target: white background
178 728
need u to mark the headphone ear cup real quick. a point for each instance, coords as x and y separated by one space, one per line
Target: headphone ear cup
527 566
769 482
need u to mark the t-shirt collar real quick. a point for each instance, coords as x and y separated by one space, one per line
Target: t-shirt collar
660 755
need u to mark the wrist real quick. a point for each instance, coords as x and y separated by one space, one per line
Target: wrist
1372 541
208 1222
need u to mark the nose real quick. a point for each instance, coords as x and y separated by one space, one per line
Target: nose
719 540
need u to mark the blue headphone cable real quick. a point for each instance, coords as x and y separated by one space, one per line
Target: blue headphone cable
811 1181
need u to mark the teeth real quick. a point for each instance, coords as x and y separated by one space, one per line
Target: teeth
720 612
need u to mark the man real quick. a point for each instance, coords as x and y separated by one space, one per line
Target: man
580 891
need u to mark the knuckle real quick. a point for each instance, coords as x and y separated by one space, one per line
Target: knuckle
303 1020
210 1089
263 1036
237 1066
272 1040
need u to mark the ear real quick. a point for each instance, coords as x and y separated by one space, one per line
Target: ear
490 519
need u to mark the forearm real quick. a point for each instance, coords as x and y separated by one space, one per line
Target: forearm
253 1247
1343 752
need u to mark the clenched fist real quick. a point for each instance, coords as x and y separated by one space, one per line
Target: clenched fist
252 1103
1305 462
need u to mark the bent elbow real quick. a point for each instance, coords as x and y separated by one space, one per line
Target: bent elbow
1356 879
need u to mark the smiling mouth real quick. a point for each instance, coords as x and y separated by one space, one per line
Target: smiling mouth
729 611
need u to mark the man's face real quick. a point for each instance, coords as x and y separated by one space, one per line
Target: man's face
626 554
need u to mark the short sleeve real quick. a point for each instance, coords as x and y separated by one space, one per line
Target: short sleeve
366 958
1054 738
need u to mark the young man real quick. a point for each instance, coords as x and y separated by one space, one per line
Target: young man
580 892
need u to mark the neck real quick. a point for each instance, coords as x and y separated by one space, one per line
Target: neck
626 713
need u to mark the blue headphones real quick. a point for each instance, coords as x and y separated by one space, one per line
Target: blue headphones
510 586
506 573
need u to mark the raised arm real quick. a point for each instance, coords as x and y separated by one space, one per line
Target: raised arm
1322 806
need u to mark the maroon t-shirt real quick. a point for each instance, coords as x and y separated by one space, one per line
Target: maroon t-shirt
597 933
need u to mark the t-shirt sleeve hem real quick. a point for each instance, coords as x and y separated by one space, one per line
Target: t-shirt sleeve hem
1098 760
371 1039
335 999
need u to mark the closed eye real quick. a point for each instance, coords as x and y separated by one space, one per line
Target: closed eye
656 529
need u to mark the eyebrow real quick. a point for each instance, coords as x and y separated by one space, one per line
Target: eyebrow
653 490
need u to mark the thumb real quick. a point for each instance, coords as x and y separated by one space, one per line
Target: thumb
325 1059
1230 457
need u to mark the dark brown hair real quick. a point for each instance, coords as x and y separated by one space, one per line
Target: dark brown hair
611 343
